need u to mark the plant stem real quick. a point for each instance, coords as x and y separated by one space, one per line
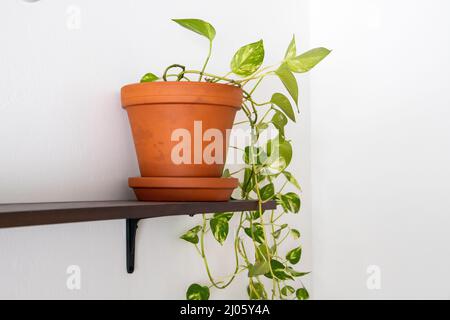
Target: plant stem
240 122
237 148
206 61
279 216
282 187
265 115
260 211
258 72
205 260
212 76
235 172
273 230
284 238
256 85
246 80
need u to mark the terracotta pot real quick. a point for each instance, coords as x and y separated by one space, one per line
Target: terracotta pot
183 189
157 109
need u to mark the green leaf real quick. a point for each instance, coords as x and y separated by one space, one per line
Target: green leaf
226 173
149 77
289 81
285 149
192 235
260 157
296 273
287 291
267 192
224 215
219 228
255 214
294 255
277 233
260 268
290 202
279 120
308 60
281 101
275 166
292 179
256 233
302 294
260 177
251 155
260 127
197 292
295 233
262 253
279 271
198 26
256 291
291 50
279 152
248 59
248 184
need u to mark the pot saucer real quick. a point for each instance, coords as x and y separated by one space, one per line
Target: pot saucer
182 189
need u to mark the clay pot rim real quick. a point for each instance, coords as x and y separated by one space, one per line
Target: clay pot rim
183 182
181 83
183 92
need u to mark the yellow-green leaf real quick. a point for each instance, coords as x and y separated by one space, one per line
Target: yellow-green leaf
294 255
279 152
219 228
267 192
279 271
295 233
292 180
197 292
279 120
248 59
289 81
226 173
149 77
290 202
308 60
291 50
281 101
260 268
295 273
198 26
287 290
256 291
255 232
302 294
192 235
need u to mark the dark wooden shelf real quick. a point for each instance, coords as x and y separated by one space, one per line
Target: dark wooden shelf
32 214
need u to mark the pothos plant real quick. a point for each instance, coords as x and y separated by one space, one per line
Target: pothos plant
259 233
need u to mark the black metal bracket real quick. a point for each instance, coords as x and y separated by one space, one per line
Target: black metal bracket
131 228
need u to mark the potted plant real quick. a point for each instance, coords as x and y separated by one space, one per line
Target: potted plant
215 99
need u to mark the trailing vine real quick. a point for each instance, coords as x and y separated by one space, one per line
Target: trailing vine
259 234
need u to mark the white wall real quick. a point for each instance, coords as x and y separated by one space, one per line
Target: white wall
379 125
64 136
380 148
